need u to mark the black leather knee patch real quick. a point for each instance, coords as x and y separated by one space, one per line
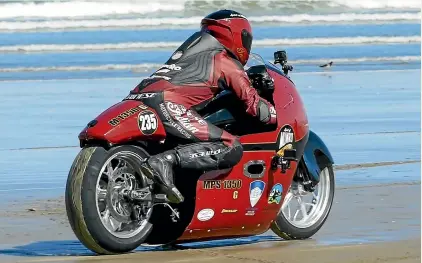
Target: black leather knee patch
232 157
208 156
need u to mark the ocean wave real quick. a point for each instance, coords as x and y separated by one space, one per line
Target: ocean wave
100 8
148 67
74 9
134 67
194 21
357 60
256 43
378 4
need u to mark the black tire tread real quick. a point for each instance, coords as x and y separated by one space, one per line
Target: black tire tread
80 203
74 202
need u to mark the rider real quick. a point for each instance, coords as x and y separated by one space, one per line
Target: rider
207 63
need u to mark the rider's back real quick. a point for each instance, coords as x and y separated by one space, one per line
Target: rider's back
195 72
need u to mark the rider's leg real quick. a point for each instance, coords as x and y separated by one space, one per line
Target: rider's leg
207 147
161 167
205 156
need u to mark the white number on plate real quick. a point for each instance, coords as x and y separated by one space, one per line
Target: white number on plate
148 122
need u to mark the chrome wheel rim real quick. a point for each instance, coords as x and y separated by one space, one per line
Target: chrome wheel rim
117 177
303 209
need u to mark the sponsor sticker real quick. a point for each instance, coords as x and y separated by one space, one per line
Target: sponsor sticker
275 194
178 112
286 140
286 136
256 190
205 214
224 211
126 114
173 123
140 96
250 211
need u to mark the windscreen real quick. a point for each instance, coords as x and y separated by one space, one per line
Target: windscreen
254 60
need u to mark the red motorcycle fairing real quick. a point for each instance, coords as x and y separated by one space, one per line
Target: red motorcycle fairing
233 202
128 120
226 205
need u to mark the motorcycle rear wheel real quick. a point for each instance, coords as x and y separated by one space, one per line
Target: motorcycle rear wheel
313 213
97 212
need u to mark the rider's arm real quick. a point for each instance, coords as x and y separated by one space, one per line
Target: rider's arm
238 81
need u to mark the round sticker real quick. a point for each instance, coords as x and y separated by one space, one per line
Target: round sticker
205 214
147 122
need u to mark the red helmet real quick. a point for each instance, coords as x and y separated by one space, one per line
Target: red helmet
233 31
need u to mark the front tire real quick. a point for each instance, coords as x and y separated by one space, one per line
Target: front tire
287 225
94 204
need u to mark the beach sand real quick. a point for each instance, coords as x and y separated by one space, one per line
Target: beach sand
367 224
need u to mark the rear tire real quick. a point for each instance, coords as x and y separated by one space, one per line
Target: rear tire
286 228
81 200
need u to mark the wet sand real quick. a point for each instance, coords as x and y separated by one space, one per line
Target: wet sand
368 223
276 252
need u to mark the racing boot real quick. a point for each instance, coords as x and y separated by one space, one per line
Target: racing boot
161 167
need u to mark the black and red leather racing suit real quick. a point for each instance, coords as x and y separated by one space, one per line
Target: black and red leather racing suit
197 71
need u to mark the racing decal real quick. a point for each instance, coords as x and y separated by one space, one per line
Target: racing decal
140 96
176 125
178 112
256 190
170 67
186 118
126 114
286 139
147 122
235 195
250 211
275 194
205 214
167 68
176 109
219 184
224 211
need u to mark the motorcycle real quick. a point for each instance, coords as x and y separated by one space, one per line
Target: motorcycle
284 181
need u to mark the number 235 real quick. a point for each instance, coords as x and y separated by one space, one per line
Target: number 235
148 122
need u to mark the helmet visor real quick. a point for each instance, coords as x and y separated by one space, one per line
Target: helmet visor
247 40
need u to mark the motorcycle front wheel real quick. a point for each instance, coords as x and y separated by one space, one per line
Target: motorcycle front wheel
100 215
303 213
